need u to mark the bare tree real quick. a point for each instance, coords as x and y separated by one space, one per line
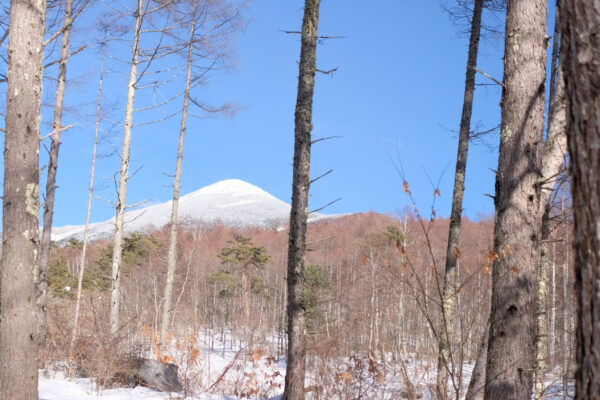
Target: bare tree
141 60
124 173
296 354
518 204
580 57
82 261
555 148
172 255
44 252
565 304
216 22
446 357
20 234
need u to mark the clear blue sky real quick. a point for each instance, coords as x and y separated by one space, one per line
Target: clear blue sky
400 79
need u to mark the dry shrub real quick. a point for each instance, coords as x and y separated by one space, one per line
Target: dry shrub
253 376
183 351
59 330
103 361
360 376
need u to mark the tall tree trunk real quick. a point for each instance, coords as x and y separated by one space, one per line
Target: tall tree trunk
296 363
44 255
552 329
123 177
446 364
580 56
555 148
21 207
89 206
245 290
541 340
511 348
172 255
477 382
565 306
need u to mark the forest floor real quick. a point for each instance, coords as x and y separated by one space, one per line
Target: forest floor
222 373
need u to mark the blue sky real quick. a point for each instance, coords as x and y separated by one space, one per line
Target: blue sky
399 85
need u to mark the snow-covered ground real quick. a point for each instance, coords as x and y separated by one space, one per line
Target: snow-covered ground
220 373
223 373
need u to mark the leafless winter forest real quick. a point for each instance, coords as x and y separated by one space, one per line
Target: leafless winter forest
407 305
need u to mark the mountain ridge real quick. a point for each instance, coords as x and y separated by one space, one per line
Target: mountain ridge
231 202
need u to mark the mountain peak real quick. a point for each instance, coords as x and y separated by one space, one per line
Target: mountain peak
231 202
237 187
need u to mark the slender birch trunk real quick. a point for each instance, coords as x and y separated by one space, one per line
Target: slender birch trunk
446 364
44 255
580 58
555 148
123 177
541 344
552 329
89 206
21 207
565 307
172 255
245 290
296 360
519 208
477 382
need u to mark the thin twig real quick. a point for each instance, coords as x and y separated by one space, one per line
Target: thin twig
488 76
321 176
64 128
326 205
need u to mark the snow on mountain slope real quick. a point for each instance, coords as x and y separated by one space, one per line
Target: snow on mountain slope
231 202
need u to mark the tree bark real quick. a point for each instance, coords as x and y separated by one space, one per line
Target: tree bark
541 340
44 255
565 306
20 232
477 382
555 148
580 57
172 254
123 177
89 206
518 204
446 364
296 357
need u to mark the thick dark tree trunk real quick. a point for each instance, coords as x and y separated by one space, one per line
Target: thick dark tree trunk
518 204
296 355
446 360
580 57
20 234
44 256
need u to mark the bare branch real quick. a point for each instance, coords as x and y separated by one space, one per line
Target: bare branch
488 76
69 56
318 37
67 26
324 138
326 205
329 72
4 37
321 176
64 128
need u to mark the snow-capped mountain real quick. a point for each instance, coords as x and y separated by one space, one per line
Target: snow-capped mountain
231 202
